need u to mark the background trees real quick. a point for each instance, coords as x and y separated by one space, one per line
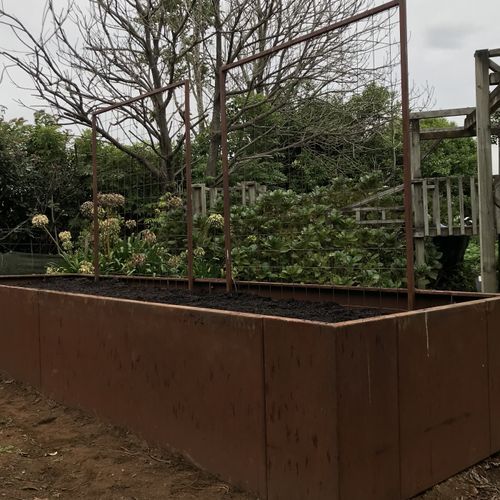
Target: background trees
102 51
39 172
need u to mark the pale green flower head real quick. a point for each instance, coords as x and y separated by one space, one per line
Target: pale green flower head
65 236
40 220
86 268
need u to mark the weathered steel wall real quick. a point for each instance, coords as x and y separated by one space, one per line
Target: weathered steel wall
443 394
187 378
19 337
375 409
301 410
367 385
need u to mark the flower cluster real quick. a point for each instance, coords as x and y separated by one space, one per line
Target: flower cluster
137 260
111 200
216 221
40 220
175 261
87 210
110 227
86 268
65 237
130 224
148 236
199 252
51 270
170 202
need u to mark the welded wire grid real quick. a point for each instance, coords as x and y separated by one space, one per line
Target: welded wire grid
320 123
142 209
30 242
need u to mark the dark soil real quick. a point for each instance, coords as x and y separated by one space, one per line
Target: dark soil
328 312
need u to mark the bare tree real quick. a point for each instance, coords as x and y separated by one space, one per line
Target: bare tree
84 59
109 50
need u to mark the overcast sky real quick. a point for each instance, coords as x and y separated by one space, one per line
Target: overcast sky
444 35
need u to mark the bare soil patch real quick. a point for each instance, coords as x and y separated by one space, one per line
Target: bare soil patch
48 451
328 312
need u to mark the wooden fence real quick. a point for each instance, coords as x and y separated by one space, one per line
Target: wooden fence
442 206
205 198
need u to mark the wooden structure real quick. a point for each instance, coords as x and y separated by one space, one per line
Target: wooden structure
477 123
205 198
459 205
448 206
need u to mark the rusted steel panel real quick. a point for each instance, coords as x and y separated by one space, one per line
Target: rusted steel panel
301 408
367 377
188 379
384 298
493 319
443 391
19 338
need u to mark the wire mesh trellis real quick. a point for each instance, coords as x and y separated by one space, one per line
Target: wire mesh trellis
43 192
138 149
326 100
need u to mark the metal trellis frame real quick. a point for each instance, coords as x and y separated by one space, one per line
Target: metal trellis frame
405 103
187 158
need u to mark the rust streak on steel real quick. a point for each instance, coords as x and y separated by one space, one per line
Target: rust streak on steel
95 222
405 104
189 201
225 185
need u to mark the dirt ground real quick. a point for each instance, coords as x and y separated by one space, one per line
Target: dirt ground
48 451
51 452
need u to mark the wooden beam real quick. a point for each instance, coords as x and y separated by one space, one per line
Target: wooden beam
436 208
495 100
495 78
487 233
449 205
417 196
446 133
396 208
494 53
494 104
441 113
452 133
473 203
377 196
461 204
494 66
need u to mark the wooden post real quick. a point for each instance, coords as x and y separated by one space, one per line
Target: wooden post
436 208
252 192
199 199
213 194
487 233
418 199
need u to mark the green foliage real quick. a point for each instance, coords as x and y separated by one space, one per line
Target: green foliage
313 243
285 236
38 173
451 156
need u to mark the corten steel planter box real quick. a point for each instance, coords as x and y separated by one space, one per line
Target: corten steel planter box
378 408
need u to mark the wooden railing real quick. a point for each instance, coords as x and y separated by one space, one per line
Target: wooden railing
442 206
205 198
445 206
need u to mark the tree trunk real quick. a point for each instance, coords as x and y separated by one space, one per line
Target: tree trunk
215 136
